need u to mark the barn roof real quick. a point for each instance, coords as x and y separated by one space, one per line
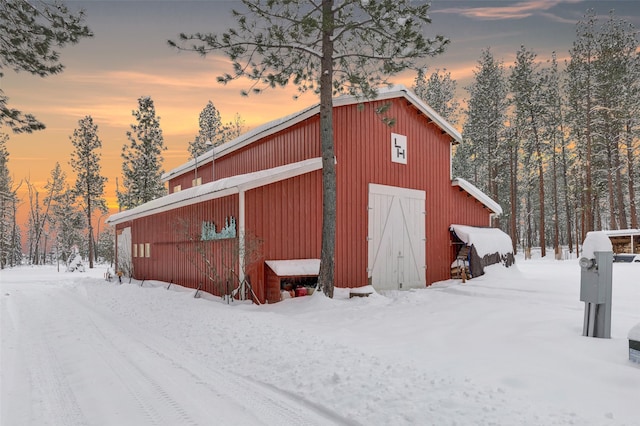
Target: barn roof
217 189
477 194
295 118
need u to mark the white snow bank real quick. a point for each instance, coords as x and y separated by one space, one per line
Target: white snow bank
294 267
485 240
595 241
634 333
505 348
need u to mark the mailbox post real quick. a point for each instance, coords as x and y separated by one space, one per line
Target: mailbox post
595 291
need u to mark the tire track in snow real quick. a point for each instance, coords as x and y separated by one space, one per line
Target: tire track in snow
258 402
56 402
128 372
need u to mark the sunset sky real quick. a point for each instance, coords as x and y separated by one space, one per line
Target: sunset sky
129 57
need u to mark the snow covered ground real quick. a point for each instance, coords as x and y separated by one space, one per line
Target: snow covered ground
505 348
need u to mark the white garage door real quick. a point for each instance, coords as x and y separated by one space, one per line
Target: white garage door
396 238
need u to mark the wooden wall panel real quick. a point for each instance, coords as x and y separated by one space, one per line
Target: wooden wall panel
174 258
287 215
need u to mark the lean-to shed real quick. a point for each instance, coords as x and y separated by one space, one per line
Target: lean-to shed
258 198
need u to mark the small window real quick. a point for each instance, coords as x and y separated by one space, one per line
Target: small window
196 182
177 188
141 249
135 250
147 250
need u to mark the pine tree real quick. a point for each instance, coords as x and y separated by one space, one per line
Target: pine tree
210 133
34 223
439 92
31 31
10 244
142 159
528 89
560 156
581 85
69 221
327 48
617 48
85 161
484 130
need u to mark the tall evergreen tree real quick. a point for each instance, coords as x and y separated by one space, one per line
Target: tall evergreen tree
85 161
555 132
439 92
210 133
142 159
68 221
31 32
581 90
528 87
326 47
10 244
617 47
484 129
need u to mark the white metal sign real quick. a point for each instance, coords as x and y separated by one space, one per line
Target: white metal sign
398 148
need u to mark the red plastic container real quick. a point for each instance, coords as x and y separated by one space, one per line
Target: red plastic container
301 291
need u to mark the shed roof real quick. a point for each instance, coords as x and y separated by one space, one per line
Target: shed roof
478 195
294 267
217 189
297 117
485 240
622 232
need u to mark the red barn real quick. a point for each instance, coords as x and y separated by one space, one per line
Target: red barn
257 200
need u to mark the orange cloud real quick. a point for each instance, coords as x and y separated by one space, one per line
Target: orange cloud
511 11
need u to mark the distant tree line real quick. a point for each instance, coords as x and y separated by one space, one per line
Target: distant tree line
557 148
61 216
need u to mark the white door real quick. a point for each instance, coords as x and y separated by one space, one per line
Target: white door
125 263
396 241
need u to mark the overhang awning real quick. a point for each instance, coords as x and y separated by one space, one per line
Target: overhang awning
218 189
294 267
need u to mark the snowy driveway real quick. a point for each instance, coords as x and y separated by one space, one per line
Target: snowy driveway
86 366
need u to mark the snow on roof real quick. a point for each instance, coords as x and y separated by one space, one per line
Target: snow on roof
297 117
217 189
485 240
478 195
595 241
634 333
294 267
622 232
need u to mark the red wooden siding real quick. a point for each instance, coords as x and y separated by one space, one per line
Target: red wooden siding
185 180
363 152
173 257
297 143
287 215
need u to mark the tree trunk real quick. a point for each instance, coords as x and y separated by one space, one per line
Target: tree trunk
588 205
566 192
631 169
90 224
556 227
612 203
543 242
513 169
622 211
327 254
